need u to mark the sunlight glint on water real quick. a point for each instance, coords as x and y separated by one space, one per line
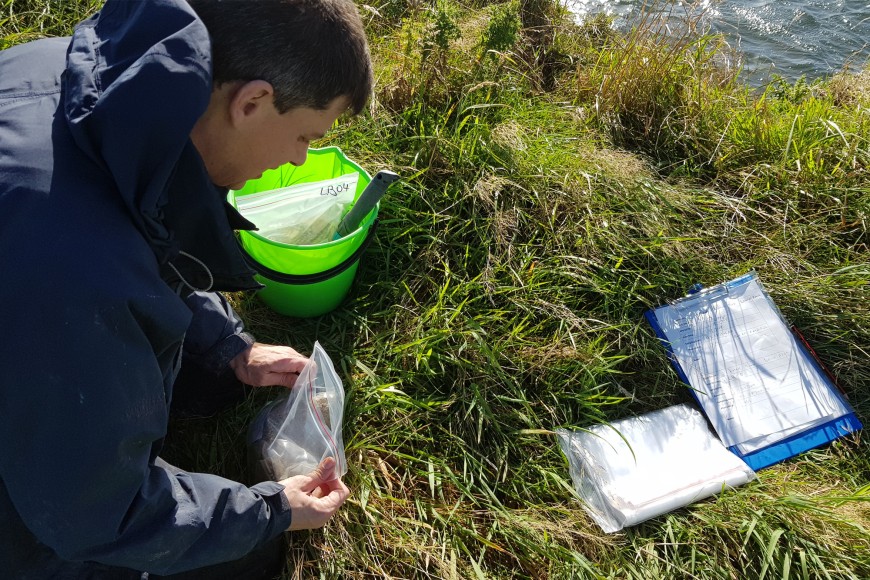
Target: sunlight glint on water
815 38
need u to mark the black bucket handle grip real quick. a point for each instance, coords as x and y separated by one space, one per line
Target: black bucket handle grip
316 277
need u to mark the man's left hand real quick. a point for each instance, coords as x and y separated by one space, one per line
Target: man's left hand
263 365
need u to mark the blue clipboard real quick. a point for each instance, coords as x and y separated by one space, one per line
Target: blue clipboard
814 436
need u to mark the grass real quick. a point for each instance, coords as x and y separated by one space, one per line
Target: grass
559 179
24 20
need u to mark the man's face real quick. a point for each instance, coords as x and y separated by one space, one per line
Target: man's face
250 136
281 138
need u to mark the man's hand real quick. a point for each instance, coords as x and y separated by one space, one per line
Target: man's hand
314 498
263 365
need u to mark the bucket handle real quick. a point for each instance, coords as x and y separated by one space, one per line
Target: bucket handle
316 277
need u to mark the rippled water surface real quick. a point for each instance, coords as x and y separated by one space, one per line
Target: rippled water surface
791 38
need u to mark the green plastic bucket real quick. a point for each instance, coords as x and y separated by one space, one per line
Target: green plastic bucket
306 281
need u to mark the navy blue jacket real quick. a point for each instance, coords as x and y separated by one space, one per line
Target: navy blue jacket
103 198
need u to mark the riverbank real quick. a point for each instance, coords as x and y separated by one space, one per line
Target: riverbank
558 181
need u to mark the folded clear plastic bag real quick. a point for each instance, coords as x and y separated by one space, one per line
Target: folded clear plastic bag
303 214
638 468
291 435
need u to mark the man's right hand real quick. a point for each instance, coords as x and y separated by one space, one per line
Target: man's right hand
314 498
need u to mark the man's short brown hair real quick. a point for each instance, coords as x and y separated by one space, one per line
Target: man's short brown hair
310 51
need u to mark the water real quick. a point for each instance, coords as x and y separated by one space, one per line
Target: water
789 38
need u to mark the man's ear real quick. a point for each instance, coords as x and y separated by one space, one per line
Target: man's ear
248 100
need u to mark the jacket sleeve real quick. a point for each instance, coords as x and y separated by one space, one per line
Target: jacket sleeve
82 429
216 333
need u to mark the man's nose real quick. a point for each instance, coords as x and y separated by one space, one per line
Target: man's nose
299 155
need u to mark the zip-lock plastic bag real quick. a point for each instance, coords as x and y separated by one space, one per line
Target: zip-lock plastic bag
302 214
294 433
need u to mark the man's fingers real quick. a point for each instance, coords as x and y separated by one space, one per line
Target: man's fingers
264 365
333 500
322 473
288 365
312 508
282 379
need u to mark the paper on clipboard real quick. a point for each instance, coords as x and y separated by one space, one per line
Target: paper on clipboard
749 374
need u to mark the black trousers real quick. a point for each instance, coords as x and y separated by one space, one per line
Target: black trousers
196 393
264 563
199 393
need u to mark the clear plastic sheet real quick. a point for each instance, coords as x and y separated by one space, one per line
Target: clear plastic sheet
294 433
641 467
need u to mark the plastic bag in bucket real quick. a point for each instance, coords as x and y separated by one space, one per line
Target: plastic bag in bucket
304 214
307 280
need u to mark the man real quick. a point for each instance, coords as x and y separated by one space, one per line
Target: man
117 147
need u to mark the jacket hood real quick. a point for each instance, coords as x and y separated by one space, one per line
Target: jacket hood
138 77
